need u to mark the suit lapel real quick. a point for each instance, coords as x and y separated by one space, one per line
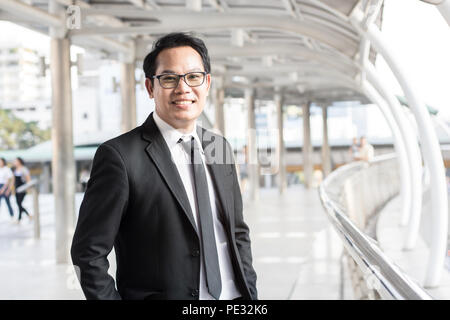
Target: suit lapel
217 170
158 151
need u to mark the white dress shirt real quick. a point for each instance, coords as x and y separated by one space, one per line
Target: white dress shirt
182 162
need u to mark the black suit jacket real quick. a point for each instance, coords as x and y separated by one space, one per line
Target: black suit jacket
135 201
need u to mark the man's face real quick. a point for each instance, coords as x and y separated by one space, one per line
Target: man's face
179 106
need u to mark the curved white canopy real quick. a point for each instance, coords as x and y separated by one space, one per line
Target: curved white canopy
307 42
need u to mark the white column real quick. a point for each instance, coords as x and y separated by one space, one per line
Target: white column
219 115
326 152
307 149
431 149
399 144
412 203
253 167
282 184
444 9
63 163
128 96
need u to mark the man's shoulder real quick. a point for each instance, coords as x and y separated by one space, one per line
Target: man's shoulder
124 139
125 142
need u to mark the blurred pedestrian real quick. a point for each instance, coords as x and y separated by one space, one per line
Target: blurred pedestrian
6 184
366 150
354 149
22 176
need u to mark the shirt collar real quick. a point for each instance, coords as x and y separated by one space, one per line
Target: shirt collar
172 135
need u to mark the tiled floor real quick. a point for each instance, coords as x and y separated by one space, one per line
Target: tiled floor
391 238
296 253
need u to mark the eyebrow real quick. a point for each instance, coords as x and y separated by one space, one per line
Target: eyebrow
171 71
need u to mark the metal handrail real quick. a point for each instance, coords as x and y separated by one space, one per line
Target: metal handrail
32 185
385 276
27 186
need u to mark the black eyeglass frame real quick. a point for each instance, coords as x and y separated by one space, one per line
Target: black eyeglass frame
179 77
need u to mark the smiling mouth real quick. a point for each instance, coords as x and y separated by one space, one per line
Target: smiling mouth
183 102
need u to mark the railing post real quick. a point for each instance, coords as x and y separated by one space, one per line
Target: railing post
33 187
37 223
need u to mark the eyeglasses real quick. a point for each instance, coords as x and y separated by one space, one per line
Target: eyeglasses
171 80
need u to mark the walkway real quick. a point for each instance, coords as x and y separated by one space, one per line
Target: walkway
391 237
296 253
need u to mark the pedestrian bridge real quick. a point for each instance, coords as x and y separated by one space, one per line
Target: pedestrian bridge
376 230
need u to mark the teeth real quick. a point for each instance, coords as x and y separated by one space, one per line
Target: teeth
183 102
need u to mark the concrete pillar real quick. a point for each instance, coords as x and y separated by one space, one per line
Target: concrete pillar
45 178
282 183
63 164
128 95
219 115
326 152
253 166
307 149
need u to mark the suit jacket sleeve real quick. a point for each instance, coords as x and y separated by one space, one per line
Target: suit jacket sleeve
242 235
101 211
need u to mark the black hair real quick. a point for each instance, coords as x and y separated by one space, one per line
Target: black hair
174 40
3 160
20 160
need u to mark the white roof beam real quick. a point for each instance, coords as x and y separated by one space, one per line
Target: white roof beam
137 3
341 63
102 18
327 20
280 50
292 9
326 7
316 84
444 9
372 12
224 5
289 69
153 4
26 11
105 43
216 5
100 42
194 5
267 61
237 37
219 21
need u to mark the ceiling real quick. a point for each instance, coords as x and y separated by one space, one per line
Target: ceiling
306 48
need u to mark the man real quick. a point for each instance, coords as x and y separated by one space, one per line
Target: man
176 226
366 151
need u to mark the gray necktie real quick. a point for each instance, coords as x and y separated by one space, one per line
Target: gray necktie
210 259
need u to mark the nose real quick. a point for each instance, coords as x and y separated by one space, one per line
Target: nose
182 86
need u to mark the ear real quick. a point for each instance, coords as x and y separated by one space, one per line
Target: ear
208 83
149 87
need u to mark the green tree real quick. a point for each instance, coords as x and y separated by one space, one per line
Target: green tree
18 134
